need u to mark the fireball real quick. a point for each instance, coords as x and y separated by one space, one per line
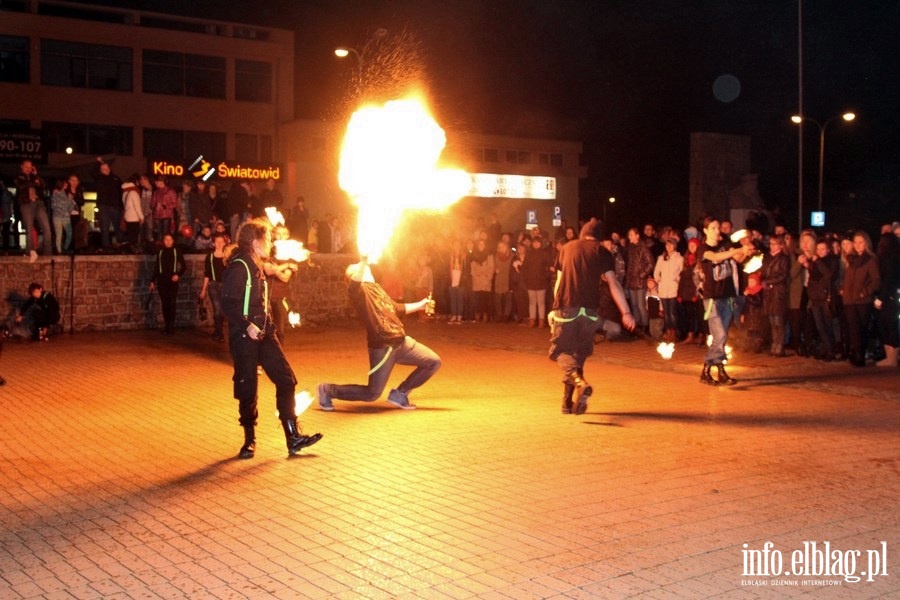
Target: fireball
666 350
389 164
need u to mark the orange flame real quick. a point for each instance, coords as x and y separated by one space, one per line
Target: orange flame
389 164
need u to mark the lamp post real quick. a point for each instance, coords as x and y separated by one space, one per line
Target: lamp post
605 204
344 51
848 116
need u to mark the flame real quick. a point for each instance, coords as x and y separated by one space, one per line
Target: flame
290 250
294 319
274 215
666 350
389 164
754 264
302 401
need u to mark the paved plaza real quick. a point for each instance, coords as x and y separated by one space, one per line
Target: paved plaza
119 478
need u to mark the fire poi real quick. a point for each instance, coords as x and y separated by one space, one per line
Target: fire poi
389 164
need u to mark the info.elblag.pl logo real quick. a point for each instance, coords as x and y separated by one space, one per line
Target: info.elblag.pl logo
814 559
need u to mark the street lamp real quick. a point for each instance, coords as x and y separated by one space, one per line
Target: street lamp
848 116
610 201
345 51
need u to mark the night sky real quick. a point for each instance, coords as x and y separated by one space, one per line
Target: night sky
632 79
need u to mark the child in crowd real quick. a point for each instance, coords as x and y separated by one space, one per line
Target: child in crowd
654 310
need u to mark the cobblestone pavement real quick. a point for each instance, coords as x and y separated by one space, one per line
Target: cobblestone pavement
120 481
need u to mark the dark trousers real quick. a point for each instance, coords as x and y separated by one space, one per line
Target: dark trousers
572 339
857 329
247 354
821 314
168 298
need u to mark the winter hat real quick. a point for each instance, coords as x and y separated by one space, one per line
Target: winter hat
593 228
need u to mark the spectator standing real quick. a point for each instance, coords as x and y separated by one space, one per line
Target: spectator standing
667 275
689 296
503 259
146 189
638 268
109 202
482 270
457 260
536 273
887 301
133 214
62 206
298 220
200 206
163 203
861 281
213 269
775 275
30 199
822 272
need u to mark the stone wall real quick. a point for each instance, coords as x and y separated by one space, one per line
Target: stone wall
111 292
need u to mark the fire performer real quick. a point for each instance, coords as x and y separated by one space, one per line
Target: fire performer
574 317
252 339
388 344
719 291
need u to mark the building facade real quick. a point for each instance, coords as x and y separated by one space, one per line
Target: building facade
155 92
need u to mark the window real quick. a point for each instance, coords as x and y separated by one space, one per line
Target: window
491 155
174 144
246 147
183 74
14 59
518 157
553 159
87 138
86 65
252 81
252 148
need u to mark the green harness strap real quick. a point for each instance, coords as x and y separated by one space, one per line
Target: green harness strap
246 291
383 360
581 313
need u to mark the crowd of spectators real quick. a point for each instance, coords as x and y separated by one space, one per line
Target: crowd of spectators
828 296
825 296
134 215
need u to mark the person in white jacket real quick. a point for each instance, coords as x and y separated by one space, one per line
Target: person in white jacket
666 273
133 214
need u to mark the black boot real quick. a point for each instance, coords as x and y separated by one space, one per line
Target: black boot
706 377
724 378
583 391
568 390
296 441
249 447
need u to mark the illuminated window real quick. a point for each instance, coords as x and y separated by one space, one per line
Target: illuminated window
86 65
252 81
184 74
14 59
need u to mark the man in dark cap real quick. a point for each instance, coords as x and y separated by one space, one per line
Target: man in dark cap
573 320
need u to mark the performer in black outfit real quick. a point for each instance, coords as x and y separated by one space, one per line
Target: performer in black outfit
574 318
252 339
167 272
